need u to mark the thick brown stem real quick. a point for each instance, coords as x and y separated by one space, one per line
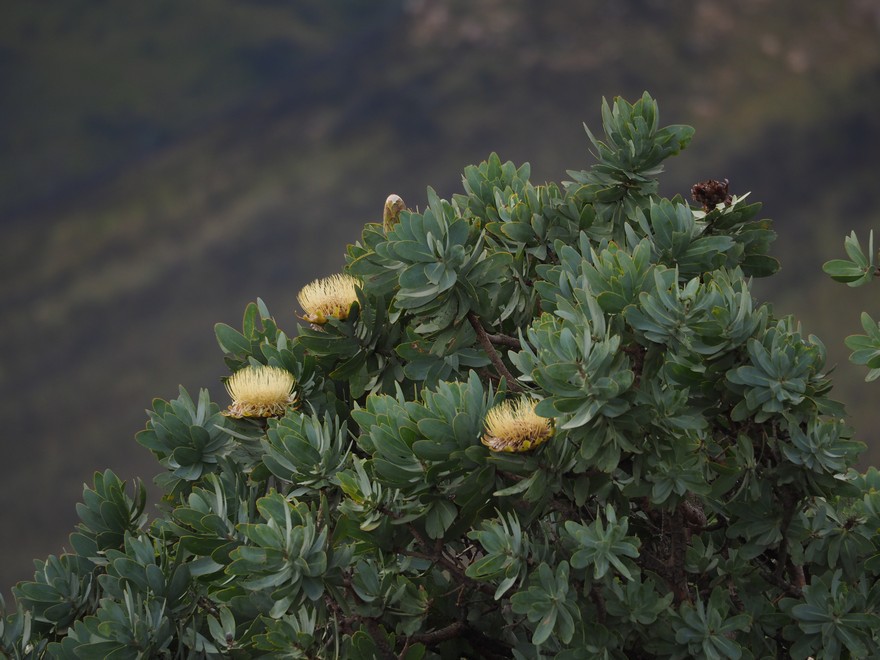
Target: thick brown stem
599 602
694 515
379 638
789 507
637 353
677 558
487 346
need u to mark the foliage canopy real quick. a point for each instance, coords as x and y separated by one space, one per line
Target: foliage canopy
662 472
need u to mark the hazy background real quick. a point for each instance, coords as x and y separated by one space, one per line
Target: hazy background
163 163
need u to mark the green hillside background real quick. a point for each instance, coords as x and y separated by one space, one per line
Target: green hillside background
164 163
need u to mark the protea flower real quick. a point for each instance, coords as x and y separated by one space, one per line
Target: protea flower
330 296
260 392
514 426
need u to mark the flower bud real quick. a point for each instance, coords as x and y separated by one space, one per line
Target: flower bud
391 215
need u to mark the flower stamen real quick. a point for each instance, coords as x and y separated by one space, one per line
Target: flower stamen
260 392
330 296
513 426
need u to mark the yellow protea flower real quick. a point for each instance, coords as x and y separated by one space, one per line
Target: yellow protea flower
330 296
514 426
260 392
390 215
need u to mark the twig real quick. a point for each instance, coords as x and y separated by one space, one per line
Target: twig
789 589
453 568
486 343
451 631
435 554
505 340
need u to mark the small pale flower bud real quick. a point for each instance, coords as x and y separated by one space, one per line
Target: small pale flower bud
391 215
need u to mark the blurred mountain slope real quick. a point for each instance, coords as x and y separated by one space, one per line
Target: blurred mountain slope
97 84
162 164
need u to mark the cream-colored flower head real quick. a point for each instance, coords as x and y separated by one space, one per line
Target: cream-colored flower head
260 392
514 426
331 296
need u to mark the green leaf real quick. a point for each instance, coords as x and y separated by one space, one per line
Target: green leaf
842 270
231 341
